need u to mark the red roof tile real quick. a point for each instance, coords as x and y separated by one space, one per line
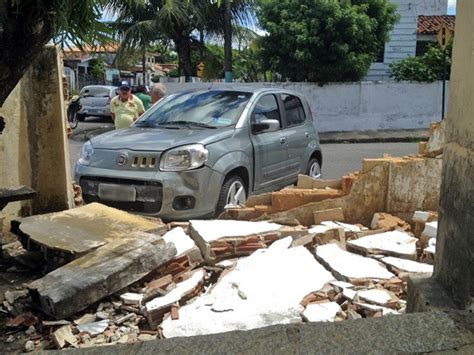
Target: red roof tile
428 25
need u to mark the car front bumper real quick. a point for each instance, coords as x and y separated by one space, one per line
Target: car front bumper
153 193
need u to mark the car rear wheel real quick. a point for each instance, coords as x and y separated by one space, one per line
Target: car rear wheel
314 169
232 193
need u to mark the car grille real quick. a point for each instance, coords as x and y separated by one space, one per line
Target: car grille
149 194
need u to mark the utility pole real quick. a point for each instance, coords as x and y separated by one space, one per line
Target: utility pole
444 36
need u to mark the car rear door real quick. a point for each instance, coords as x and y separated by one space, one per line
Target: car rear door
270 151
296 131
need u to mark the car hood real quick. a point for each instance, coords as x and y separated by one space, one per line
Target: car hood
158 139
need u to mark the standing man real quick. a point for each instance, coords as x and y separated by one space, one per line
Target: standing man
125 107
143 96
158 91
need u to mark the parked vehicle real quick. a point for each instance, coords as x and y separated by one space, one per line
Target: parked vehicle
73 107
195 152
95 101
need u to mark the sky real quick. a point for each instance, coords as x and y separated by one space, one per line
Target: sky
451 7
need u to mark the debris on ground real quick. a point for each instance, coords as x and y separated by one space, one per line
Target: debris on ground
323 250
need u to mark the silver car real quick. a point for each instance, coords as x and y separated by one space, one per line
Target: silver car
95 101
195 152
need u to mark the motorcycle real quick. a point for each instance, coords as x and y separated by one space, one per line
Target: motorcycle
73 108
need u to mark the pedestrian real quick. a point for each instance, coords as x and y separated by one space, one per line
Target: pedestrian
158 91
142 95
125 107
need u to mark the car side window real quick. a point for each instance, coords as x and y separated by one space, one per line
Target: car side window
266 109
294 110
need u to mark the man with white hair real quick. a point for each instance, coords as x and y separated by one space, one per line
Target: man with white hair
158 91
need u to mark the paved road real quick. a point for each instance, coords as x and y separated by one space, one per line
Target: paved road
338 159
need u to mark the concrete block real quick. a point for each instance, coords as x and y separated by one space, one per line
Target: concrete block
334 214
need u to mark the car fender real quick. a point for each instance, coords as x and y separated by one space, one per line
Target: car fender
233 160
312 147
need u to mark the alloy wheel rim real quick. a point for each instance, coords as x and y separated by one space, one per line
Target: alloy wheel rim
236 195
315 171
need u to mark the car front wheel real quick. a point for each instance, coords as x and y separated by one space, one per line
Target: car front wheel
232 194
314 169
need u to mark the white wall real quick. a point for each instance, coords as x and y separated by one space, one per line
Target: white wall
360 106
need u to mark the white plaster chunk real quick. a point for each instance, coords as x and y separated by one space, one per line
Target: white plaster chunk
180 239
321 312
431 249
395 242
342 284
421 216
372 307
319 229
347 227
407 265
351 265
265 288
94 328
177 293
377 296
349 293
226 263
431 228
131 298
217 229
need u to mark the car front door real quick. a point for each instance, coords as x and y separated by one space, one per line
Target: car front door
296 131
270 150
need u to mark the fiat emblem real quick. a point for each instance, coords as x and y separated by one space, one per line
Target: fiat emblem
121 159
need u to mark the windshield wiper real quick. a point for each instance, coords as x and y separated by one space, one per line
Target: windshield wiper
145 124
188 123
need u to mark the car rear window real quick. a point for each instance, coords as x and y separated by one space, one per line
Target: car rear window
95 91
215 108
294 110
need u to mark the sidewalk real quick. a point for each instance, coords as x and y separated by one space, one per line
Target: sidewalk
412 135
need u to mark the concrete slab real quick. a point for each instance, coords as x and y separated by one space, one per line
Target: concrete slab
376 296
265 288
80 230
348 266
393 243
407 265
180 239
431 228
100 273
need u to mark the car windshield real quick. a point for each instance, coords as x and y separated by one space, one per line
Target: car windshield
209 109
95 91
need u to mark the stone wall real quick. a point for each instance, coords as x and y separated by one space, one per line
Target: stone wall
33 146
360 106
455 240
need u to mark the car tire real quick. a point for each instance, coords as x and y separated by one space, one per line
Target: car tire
314 168
232 186
81 118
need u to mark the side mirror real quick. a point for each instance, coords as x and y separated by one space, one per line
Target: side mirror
265 126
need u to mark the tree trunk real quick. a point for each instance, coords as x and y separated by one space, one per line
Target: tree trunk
227 41
20 44
183 47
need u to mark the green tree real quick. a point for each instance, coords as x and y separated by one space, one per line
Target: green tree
428 67
324 40
27 25
97 69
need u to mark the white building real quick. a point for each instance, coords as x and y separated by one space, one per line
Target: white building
403 38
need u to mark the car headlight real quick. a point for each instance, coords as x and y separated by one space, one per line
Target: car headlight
184 158
86 153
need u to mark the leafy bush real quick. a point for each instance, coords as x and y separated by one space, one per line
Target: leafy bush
425 68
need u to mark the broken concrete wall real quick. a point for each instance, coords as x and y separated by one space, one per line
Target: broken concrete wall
33 147
455 240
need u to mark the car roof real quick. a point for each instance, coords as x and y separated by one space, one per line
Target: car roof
99 86
246 89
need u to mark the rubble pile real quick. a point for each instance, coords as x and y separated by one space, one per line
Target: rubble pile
217 276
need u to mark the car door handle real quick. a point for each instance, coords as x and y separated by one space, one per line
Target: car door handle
283 140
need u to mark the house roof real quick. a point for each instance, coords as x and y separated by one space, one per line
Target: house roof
430 25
